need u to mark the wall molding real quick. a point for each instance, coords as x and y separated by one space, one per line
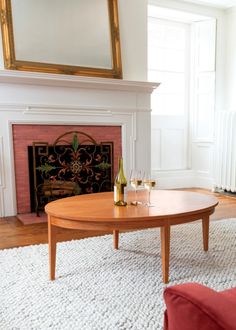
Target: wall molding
175 179
183 179
69 110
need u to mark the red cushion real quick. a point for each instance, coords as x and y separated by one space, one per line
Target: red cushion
192 306
230 294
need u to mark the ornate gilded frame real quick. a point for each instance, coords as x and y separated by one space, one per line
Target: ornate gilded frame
11 62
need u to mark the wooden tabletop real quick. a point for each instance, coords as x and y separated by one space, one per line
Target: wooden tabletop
98 212
100 207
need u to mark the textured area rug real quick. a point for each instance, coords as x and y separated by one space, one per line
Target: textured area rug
97 287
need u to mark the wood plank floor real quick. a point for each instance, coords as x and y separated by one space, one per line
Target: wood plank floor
14 234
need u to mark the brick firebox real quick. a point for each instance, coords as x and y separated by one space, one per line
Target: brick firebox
24 135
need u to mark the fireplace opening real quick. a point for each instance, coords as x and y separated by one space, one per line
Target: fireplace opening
25 134
73 164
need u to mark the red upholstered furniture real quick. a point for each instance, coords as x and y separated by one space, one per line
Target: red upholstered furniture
192 306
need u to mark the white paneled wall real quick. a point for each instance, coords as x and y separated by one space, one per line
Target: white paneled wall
174 139
167 138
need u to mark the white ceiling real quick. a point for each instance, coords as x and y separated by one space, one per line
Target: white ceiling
215 3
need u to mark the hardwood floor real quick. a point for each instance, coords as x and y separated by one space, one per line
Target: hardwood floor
14 234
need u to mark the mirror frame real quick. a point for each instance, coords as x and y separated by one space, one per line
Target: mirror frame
11 62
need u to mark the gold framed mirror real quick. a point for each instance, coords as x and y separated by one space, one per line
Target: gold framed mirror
79 37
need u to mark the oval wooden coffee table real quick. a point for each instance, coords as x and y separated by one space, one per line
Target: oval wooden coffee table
97 212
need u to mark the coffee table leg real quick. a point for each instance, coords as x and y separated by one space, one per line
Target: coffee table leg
52 248
205 232
165 252
116 239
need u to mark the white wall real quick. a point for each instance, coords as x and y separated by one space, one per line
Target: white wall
133 34
230 103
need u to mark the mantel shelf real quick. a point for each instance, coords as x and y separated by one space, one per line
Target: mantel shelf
56 80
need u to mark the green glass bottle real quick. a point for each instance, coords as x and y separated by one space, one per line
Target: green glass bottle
120 186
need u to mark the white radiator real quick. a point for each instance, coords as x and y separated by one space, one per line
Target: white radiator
225 151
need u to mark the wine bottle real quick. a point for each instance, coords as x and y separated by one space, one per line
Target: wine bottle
120 187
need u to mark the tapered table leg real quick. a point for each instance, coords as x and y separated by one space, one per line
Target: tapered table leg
116 239
52 248
205 232
165 252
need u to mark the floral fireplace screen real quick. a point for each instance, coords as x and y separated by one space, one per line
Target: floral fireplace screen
74 164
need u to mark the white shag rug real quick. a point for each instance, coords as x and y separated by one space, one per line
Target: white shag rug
97 287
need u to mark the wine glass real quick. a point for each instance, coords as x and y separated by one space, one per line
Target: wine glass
135 182
149 183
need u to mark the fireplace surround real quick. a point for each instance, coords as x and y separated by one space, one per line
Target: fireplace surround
44 136
47 99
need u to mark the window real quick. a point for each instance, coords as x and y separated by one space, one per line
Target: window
168 63
181 56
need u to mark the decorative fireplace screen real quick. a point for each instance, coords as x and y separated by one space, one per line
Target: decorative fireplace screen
74 164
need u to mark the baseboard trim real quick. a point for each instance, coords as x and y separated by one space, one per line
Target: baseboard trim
182 179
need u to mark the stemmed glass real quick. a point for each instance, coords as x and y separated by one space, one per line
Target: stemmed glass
149 183
135 182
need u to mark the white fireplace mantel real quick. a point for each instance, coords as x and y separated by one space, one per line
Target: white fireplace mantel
46 99
56 80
